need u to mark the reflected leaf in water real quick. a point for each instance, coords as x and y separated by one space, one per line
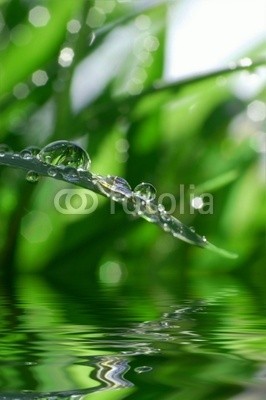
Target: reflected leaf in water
69 351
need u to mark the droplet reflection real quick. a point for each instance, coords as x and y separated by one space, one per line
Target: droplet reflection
145 191
64 153
32 177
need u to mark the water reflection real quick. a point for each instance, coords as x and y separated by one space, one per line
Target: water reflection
203 344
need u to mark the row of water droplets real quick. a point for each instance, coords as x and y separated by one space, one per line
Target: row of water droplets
141 201
64 157
69 160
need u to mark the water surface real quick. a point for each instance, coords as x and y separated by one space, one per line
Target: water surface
153 342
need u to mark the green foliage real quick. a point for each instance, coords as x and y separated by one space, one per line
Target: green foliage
169 134
99 80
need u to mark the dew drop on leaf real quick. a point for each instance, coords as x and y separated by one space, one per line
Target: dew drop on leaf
166 227
145 191
161 209
70 174
25 154
65 154
34 150
29 152
114 186
32 176
52 172
4 149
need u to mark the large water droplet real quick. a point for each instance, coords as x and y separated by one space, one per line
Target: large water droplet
145 191
32 176
65 154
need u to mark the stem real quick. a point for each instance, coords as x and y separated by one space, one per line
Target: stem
118 190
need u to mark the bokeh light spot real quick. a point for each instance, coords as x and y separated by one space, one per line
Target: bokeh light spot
143 22
21 91
73 26
110 272
151 43
39 16
66 57
39 78
257 111
36 227
95 18
197 203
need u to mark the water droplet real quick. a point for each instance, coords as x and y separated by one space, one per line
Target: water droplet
30 152
25 154
52 172
193 230
147 210
34 150
161 209
32 176
70 173
164 216
64 153
121 184
166 227
115 186
4 149
145 191
204 239
144 368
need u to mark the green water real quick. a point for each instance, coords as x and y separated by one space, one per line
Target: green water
195 340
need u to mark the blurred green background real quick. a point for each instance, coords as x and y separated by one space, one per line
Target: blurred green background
90 71
79 72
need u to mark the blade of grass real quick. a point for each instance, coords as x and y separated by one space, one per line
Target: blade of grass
118 190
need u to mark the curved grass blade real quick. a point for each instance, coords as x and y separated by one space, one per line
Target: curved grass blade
165 87
118 189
